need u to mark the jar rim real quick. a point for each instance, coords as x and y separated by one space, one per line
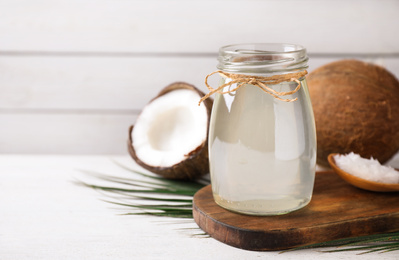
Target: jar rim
262 58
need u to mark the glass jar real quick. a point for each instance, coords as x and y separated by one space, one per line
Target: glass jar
262 149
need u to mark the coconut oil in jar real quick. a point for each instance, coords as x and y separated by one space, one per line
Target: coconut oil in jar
262 149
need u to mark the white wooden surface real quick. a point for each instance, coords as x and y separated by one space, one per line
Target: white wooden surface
75 74
176 26
44 215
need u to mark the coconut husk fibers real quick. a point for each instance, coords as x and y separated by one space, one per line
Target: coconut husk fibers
356 108
196 163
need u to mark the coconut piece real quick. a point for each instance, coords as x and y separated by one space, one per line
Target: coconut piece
170 137
356 108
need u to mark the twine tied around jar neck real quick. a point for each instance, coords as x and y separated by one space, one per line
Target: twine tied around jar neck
257 81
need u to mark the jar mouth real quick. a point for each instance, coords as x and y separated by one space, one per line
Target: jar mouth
262 58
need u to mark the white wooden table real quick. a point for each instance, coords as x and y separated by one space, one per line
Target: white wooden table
45 215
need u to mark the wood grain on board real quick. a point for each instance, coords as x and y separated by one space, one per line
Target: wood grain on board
337 210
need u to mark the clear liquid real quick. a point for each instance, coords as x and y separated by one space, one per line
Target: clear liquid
262 151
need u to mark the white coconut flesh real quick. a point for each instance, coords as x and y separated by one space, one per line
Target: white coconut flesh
169 128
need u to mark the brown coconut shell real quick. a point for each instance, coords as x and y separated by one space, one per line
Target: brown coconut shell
196 163
356 108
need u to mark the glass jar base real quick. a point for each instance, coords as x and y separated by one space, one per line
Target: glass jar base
264 207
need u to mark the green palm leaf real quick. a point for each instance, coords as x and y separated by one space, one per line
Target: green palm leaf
368 244
166 198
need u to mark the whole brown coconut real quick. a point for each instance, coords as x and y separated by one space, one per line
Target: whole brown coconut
356 108
170 137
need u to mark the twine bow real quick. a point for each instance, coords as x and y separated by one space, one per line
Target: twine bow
257 81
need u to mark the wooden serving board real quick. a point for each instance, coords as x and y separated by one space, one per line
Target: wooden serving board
337 210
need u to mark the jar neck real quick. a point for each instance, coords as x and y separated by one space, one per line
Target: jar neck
262 59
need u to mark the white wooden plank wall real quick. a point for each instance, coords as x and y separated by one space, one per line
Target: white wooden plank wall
75 74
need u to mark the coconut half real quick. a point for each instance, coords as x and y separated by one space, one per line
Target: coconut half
170 136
